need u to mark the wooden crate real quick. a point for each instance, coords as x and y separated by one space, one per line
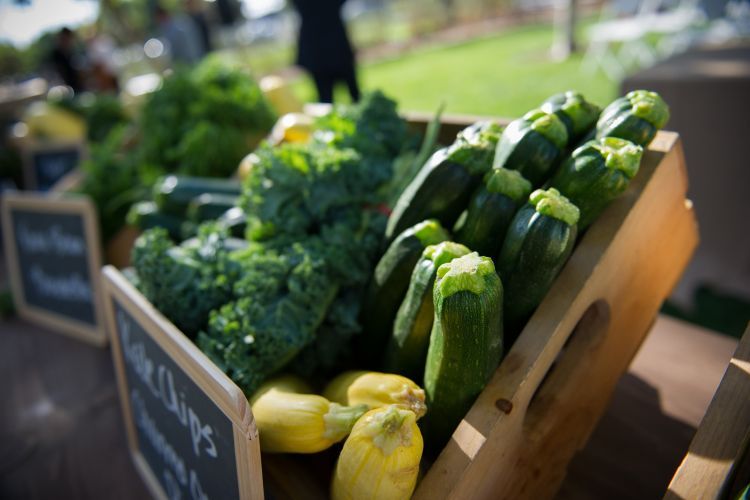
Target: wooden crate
717 464
550 390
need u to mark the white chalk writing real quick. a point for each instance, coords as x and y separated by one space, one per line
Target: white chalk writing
72 287
50 240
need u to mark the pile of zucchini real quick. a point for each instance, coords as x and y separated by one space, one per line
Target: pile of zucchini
180 204
442 309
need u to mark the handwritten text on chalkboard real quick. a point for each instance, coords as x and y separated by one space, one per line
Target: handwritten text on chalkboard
54 263
185 438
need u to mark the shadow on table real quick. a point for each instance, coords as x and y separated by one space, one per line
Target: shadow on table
61 429
650 446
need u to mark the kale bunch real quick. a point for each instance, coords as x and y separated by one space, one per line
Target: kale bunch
283 297
188 281
203 122
372 127
297 190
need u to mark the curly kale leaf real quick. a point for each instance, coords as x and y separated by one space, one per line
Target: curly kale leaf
203 122
185 282
296 189
331 350
283 298
372 127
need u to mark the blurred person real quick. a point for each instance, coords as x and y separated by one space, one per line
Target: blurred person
181 36
63 57
323 47
194 9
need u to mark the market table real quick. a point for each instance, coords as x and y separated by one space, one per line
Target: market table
62 436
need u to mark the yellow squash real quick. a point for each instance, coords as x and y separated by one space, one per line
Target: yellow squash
290 422
380 458
376 389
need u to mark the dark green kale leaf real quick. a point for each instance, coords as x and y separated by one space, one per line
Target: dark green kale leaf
372 127
185 282
283 297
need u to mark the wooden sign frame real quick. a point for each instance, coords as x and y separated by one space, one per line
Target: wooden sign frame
219 388
83 207
28 151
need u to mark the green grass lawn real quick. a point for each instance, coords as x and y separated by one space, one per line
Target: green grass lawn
505 74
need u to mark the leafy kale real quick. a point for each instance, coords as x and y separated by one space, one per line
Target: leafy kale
203 122
185 282
372 127
331 351
283 298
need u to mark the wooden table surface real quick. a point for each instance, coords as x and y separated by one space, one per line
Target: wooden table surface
61 433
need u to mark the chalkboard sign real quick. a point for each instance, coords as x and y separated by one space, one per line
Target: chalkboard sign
190 428
47 164
54 257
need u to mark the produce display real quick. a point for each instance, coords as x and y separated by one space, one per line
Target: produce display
199 123
335 255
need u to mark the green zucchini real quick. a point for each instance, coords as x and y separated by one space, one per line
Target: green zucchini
539 242
532 145
597 173
466 342
635 117
442 187
210 206
389 283
145 215
577 114
407 348
491 209
173 193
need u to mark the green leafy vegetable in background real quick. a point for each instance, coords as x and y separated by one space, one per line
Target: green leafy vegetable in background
199 123
203 122
111 179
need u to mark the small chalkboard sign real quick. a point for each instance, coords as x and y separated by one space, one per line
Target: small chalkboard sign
46 164
190 428
54 257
